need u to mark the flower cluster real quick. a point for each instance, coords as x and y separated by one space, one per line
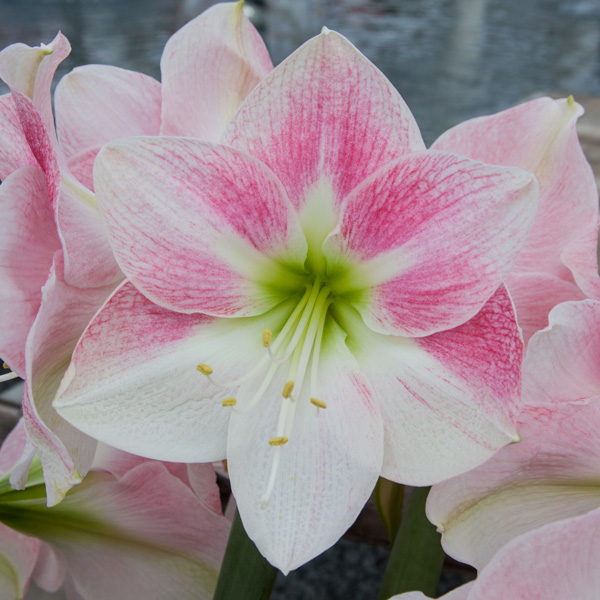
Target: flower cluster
267 265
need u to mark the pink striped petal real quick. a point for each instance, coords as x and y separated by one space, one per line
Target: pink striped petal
449 400
81 167
425 241
208 67
581 257
563 362
327 470
65 452
14 148
145 396
535 295
18 554
96 104
325 119
28 242
551 474
199 226
550 149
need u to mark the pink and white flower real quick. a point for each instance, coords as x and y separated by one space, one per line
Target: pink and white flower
337 286
559 261
133 529
56 265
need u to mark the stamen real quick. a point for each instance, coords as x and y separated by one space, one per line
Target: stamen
288 388
8 376
5 366
266 337
318 403
229 402
204 369
280 440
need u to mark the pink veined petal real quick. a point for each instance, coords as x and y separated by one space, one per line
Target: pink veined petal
448 400
66 454
581 257
327 470
199 227
539 136
133 381
28 242
460 593
18 554
559 561
50 569
325 117
562 363
14 148
96 104
81 166
208 67
535 295
425 241
12 448
552 474
88 257
158 540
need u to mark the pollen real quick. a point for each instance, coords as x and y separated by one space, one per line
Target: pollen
204 369
288 388
5 366
266 337
229 402
278 441
318 403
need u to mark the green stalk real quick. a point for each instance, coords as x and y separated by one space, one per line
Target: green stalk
417 557
245 573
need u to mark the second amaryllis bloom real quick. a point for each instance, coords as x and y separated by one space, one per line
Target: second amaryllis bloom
318 299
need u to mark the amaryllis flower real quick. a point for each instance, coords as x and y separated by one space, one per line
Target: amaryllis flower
558 561
559 261
554 472
317 300
135 529
52 235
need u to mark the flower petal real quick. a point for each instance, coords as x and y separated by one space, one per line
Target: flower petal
425 241
448 400
96 104
539 136
581 257
81 166
327 470
66 454
199 227
563 362
18 554
550 475
14 148
208 67
326 114
145 395
28 242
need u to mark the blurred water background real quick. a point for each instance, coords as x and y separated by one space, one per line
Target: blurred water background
450 59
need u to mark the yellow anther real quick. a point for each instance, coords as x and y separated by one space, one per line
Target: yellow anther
267 335
278 441
5 366
229 402
204 369
318 403
288 388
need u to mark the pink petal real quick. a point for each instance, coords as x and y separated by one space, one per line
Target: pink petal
550 475
28 241
14 148
96 104
581 257
429 238
326 117
198 226
538 136
327 470
535 295
65 452
449 400
49 573
145 395
208 67
12 448
81 166
18 554
563 362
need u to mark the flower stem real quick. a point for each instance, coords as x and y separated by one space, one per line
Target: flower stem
417 557
245 573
